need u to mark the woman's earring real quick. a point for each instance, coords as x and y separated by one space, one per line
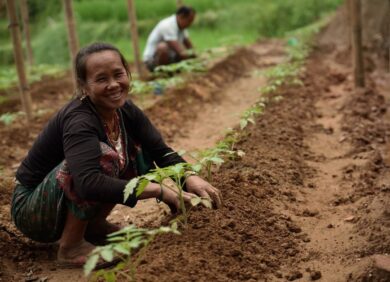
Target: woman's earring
83 95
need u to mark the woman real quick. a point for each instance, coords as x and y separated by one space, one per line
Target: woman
79 165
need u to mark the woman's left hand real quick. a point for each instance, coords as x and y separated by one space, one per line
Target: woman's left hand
202 188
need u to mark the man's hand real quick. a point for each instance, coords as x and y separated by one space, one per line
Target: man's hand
202 188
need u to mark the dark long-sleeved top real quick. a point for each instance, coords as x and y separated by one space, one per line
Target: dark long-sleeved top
74 134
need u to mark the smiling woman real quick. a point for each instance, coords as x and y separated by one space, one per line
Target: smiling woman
81 162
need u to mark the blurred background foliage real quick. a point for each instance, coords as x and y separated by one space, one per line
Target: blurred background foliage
218 23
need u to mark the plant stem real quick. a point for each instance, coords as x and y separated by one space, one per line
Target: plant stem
182 205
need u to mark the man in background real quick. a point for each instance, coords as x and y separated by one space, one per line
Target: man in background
169 42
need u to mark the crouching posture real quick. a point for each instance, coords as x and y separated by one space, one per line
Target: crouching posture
79 165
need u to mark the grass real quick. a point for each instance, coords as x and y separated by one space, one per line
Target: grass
8 76
218 23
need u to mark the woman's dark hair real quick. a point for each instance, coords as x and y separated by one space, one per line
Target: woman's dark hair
186 11
81 59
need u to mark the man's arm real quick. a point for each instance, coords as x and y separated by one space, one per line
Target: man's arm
187 43
175 45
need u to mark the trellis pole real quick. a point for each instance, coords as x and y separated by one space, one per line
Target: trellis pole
26 30
19 62
72 35
134 36
356 36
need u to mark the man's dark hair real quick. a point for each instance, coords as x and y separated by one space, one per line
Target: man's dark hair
81 58
186 11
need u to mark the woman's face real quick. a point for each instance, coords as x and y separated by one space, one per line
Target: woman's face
107 82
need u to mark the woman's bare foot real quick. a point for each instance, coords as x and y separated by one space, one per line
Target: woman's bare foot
74 255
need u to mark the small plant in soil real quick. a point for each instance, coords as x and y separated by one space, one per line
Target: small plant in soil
128 245
249 115
178 173
9 118
186 66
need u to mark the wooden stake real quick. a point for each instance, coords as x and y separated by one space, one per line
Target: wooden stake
134 37
179 3
26 30
72 36
19 62
388 38
357 50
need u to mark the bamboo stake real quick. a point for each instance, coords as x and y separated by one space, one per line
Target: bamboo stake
26 29
18 56
357 50
72 36
134 36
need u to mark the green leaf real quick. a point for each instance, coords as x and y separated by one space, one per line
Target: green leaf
181 152
90 264
121 249
174 225
165 229
109 276
178 168
116 239
129 189
207 203
135 243
141 186
150 176
217 160
8 118
243 123
196 167
107 254
195 201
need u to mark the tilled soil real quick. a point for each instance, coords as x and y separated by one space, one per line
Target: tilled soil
308 201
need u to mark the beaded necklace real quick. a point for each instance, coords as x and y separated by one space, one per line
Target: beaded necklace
114 136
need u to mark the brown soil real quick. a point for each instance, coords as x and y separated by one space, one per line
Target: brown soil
308 201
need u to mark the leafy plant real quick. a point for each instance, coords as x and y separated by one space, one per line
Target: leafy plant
214 157
123 245
185 66
178 174
9 118
248 115
299 46
9 78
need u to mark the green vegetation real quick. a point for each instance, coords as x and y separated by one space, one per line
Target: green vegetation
193 65
299 46
34 73
178 173
129 244
217 23
9 118
123 244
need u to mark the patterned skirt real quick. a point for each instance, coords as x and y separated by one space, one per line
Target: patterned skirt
40 212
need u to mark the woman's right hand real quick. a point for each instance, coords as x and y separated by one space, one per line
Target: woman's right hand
172 199
170 196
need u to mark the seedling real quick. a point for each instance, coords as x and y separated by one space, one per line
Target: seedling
158 175
123 245
186 66
9 118
248 116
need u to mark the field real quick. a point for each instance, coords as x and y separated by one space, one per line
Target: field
306 199
101 20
